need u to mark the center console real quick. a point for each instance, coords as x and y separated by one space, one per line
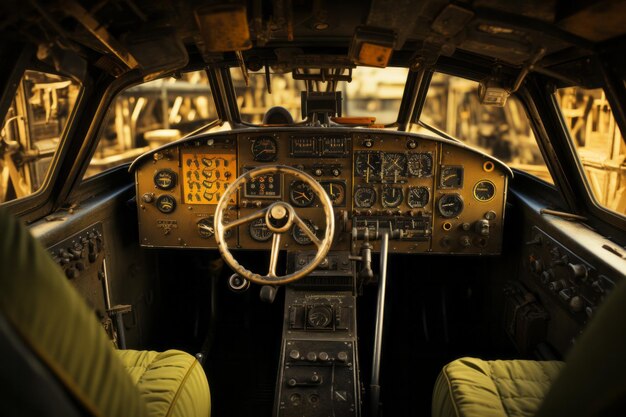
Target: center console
318 371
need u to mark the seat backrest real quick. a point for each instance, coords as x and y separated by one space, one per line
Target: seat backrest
58 328
593 381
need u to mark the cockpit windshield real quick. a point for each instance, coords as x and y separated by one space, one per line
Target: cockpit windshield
373 92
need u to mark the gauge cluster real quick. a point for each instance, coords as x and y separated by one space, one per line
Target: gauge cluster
434 195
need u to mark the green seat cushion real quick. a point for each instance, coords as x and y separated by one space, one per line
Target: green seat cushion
470 387
172 383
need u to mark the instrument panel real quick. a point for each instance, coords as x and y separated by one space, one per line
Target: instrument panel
433 195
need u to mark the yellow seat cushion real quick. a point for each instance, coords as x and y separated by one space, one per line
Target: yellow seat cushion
470 387
171 383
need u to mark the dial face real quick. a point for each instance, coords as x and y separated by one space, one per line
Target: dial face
298 234
420 164
264 149
364 197
417 197
392 196
451 177
259 231
368 164
165 179
336 190
319 316
166 203
484 190
395 165
205 228
301 194
450 205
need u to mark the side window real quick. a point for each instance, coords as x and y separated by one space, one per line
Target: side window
31 131
598 143
504 132
149 115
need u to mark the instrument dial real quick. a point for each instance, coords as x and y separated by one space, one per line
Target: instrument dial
165 179
319 316
484 190
364 197
450 205
420 164
336 190
298 234
301 194
392 196
395 164
166 203
259 231
451 177
264 149
368 164
205 228
417 197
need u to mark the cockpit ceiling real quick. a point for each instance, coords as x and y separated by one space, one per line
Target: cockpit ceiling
511 32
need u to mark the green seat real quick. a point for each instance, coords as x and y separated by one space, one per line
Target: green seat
471 387
591 382
55 326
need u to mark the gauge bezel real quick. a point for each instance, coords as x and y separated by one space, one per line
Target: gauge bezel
460 169
253 224
160 198
209 222
342 185
417 154
174 178
294 201
493 194
297 239
450 215
403 169
408 196
357 190
393 204
377 171
255 156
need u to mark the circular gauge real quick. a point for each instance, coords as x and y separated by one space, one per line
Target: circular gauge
450 205
417 197
259 231
319 316
451 177
364 197
205 227
298 234
392 196
368 164
301 194
264 149
336 190
484 190
166 203
420 164
165 179
395 164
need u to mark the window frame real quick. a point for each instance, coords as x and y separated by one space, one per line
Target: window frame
40 201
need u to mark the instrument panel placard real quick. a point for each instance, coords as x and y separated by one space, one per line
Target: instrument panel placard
206 176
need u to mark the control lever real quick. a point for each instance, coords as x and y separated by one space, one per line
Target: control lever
268 293
378 333
365 274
